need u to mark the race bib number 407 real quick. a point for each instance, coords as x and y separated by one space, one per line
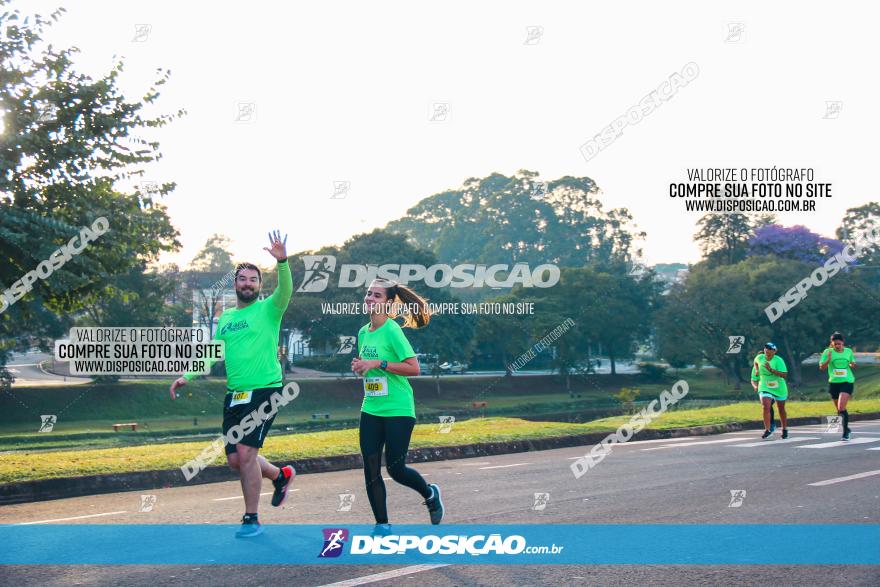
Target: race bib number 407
240 397
375 386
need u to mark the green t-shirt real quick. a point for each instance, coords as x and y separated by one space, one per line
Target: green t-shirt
386 394
250 336
838 368
768 382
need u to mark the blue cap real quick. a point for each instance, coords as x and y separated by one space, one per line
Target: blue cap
770 345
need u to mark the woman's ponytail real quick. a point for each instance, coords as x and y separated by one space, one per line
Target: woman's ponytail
412 306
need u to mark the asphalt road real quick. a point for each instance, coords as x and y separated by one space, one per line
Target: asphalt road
650 482
25 367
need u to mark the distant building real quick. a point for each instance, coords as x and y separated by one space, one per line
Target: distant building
671 273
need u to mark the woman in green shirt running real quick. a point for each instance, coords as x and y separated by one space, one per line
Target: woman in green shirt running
839 361
771 372
385 359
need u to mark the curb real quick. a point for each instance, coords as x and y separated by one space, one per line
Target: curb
47 489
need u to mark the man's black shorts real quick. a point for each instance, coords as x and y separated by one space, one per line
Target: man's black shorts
233 416
835 389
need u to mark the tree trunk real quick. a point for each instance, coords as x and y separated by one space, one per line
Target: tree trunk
794 366
737 376
611 359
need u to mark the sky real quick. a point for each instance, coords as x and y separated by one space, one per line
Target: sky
285 100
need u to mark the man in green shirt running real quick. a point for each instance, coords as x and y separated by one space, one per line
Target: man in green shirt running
771 372
839 361
254 380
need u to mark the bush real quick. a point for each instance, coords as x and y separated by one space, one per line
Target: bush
105 379
627 397
653 372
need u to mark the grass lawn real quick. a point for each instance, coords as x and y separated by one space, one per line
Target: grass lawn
30 465
86 413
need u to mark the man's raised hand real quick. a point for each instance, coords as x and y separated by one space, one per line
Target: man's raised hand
277 247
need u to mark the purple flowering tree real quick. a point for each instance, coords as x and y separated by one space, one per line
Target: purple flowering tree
792 242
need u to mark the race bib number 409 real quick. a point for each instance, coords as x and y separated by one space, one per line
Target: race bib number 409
375 386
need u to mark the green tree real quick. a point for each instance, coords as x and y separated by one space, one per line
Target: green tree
855 222
67 140
608 306
717 302
214 257
500 219
503 338
699 316
211 276
136 298
723 238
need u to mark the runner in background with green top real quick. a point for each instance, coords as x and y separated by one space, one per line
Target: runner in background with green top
253 373
385 359
756 379
839 361
771 371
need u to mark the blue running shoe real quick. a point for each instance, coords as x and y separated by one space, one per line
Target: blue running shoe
381 530
435 505
250 527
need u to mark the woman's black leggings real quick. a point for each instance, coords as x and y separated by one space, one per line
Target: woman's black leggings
392 432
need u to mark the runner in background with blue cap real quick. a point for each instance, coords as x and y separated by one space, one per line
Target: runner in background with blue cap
771 372
755 380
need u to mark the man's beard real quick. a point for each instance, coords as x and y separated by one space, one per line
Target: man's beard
247 295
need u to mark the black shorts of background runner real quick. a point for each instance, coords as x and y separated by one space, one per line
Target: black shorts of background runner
835 389
232 416
392 432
